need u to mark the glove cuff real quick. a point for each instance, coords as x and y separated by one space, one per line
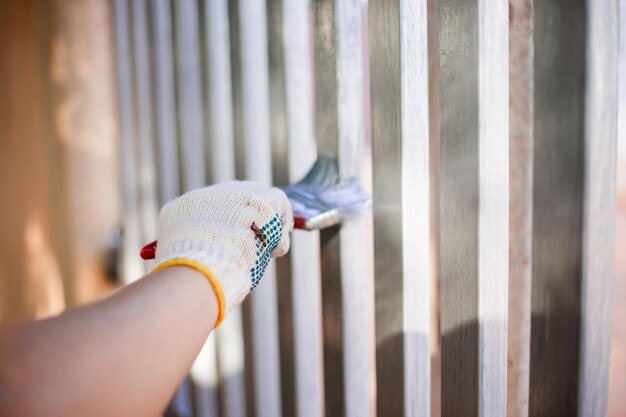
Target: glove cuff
228 292
217 288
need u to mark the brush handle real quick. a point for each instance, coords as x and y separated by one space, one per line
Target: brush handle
149 251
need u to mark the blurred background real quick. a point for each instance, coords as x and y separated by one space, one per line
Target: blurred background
61 156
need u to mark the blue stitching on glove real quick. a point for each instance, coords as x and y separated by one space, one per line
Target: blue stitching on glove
272 233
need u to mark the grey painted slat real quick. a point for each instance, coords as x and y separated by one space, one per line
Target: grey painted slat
293 151
307 318
400 126
235 61
305 267
133 268
253 147
521 181
346 263
493 218
189 88
473 44
221 158
219 92
558 174
165 100
599 204
146 163
276 33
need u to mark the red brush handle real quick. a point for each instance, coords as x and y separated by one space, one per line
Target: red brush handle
149 251
299 222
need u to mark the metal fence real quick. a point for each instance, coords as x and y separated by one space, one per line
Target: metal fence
486 132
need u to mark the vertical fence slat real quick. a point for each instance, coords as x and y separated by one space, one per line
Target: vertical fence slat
280 174
219 104
493 213
558 122
237 99
144 134
188 81
305 267
400 126
599 204
165 100
474 205
521 181
133 268
221 157
345 250
253 146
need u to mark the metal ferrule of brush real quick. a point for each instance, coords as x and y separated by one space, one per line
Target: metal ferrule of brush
322 221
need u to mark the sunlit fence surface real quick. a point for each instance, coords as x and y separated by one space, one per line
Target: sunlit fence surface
485 131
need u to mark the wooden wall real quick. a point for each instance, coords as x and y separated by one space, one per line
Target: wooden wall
58 154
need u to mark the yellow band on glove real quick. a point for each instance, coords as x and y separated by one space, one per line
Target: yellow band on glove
217 288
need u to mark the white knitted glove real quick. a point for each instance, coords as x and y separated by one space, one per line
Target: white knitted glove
211 230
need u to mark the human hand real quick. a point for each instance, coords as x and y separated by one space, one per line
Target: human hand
228 232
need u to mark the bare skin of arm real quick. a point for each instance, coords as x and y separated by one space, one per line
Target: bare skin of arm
122 356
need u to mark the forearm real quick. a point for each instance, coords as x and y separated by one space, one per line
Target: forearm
125 355
122 356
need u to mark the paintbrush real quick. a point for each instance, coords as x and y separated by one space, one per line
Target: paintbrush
319 200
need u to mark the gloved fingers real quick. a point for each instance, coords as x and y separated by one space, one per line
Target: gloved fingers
270 201
277 200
